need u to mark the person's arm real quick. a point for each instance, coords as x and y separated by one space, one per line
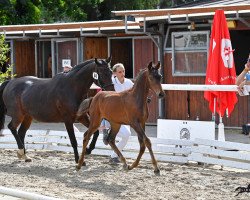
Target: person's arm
241 81
240 78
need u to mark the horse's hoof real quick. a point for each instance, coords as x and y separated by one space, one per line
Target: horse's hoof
157 172
88 151
28 160
126 167
20 153
78 167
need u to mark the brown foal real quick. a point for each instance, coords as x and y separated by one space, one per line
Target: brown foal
128 107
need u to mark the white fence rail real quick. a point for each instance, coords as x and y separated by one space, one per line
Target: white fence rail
195 87
229 154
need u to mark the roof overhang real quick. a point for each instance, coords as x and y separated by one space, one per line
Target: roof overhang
95 28
187 14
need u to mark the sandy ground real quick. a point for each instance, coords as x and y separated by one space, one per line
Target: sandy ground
53 174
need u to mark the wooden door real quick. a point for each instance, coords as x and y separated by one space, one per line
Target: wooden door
24 62
146 51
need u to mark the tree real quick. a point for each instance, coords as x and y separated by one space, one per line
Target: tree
106 6
4 49
52 11
19 12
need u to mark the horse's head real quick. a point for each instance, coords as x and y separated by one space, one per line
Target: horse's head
155 79
103 78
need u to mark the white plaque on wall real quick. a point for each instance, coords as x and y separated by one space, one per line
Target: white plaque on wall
66 62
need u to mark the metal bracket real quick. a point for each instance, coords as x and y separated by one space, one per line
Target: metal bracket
154 40
49 36
135 32
177 22
92 34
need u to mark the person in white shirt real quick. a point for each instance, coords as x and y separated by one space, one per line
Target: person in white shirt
121 84
244 78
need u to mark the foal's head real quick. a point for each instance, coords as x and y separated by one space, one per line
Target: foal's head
103 78
154 78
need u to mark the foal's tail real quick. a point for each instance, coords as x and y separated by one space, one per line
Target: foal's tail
2 105
84 107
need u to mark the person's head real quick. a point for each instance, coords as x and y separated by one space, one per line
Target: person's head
119 71
67 68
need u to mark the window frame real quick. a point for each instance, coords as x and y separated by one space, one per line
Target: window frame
188 50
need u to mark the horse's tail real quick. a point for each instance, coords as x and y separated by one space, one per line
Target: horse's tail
2 105
84 107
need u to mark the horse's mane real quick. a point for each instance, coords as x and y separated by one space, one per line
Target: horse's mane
140 74
76 68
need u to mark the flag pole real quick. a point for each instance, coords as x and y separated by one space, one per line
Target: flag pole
221 132
214 113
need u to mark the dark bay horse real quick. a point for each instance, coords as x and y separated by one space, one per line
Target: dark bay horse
51 100
128 107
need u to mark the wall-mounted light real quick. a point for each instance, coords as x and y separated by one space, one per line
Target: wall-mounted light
231 24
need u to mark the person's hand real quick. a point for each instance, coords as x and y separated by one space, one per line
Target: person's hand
247 65
240 88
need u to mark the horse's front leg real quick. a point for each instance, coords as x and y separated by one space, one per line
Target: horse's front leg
140 134
154 162
72 137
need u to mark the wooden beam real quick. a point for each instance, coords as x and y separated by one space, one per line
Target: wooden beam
181 11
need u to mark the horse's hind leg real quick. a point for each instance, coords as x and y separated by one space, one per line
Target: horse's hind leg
14 123
111 139
85 121
86 138
22 132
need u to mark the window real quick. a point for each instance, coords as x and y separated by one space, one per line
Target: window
189 53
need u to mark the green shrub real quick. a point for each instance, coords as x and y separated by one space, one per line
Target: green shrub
4 49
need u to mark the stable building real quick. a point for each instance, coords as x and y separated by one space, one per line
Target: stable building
178 38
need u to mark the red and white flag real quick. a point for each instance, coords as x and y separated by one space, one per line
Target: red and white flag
220 68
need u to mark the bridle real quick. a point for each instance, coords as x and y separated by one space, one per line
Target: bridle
98 83
103 87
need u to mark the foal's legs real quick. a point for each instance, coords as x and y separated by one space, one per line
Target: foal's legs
146 141
139 130
92 128
72 137
85 121
111 139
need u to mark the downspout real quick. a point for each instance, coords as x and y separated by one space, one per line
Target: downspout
161 57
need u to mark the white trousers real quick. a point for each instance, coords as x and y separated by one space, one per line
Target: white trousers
123 136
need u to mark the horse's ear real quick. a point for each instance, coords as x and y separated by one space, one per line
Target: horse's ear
150 65
97 61
108 60
158 66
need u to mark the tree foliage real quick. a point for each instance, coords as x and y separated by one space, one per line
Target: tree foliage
4 50
52 11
